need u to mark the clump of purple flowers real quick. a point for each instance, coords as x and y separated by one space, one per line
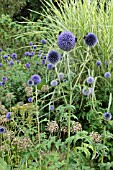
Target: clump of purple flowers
90 39
66 41
36 79
53 57
107 116
107 75
90 80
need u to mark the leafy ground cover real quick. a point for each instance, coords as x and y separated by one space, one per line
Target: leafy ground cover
56 94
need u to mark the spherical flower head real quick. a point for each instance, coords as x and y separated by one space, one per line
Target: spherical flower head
34 46
43 61
4 79
107 116
107 75
2 83
53 57
44 57
50 66
87 92
31 54
2 130
66 41
30 99
0 64
51 107
27 65
8 115
11 63
36 79
0 50
14 56
98 63
18 61
54 83
90 39
43 41
61 76
31 43
26 53
90 80
5 57
30 82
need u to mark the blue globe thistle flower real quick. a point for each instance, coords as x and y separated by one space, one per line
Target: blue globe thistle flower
0 64
30 82
18 61
27 65
14 56
107 75
61 76
87 92
53 57
30 99
107 116
50 66
90 80
90 39
43 41
11 63
31 43
31 54
36 79
54 83
98 63
2 83
51 107
43 61
26 53
34 46
8 115
4 79
0 50
2 130
5 57
66 41
44 57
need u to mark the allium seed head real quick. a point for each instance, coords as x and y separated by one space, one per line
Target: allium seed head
53 57
90 39
66 41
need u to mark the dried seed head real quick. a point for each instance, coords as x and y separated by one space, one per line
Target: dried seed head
76 126
96 136
52 126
